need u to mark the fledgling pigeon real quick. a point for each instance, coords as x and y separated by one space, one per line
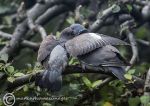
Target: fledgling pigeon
95 51
54 59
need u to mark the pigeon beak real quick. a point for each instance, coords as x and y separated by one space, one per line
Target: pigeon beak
83 31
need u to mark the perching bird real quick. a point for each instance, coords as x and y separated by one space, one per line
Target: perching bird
54 59
94 51
53 56
52 53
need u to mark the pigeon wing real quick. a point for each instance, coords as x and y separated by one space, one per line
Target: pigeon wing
46 47
88 42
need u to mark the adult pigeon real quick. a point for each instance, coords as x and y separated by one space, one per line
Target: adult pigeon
95 51
54 59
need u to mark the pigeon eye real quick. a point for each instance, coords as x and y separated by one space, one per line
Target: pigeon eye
72 33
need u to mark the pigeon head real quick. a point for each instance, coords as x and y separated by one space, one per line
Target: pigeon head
78 29
71 32
67 34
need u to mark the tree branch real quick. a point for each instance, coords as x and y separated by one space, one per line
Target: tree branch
126 26
33 14
101 20
69 70
143 42
31 77
24 43
37 28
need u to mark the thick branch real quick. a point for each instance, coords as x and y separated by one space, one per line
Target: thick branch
21 30
101 20
69 70
31 77
50 13
40 8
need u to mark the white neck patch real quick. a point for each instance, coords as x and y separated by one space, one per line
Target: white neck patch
95 36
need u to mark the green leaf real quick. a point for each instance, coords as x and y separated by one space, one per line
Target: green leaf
128 76
10 69
145 99
57 34
73 61
74 86
46 104
129 7
76 75
87 82
25 88
142 33
134 101
132 71
115 8
108 104
71 20
96 83
11 79
4 57
1 102
18 74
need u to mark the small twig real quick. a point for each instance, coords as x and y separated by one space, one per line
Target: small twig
50 13
134 48
21 12
126 26
37 28
42 31
5 26
25 43
146 43
78 16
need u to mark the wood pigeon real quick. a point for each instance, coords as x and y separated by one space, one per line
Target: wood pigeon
90 48
95 51
54 59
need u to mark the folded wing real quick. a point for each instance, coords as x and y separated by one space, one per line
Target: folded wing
104 56
88 42
46 47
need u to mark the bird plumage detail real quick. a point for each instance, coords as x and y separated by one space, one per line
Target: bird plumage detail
95 51
54 59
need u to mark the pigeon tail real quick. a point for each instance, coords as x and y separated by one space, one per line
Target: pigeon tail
118 72
50 79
